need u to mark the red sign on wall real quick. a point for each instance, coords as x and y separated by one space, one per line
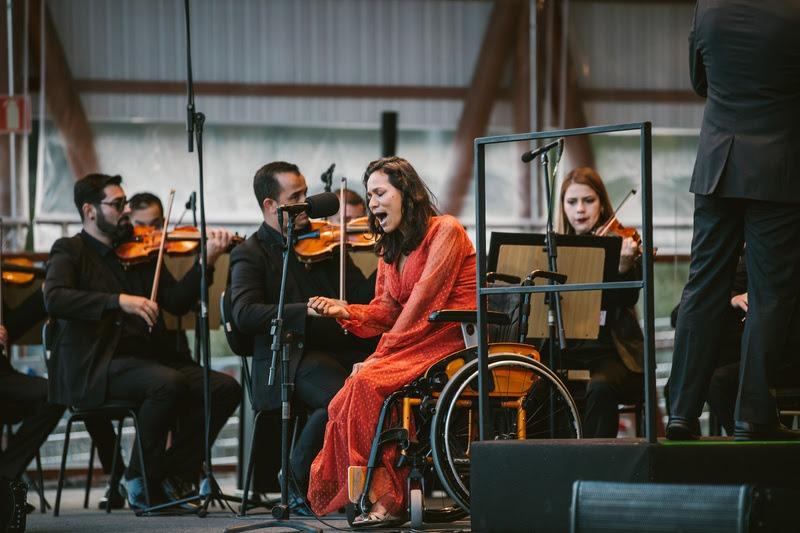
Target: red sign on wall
15 114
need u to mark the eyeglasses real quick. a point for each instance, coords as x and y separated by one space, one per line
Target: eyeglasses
118 204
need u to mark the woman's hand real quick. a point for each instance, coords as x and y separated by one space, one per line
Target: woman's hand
628 254
740 301
328 307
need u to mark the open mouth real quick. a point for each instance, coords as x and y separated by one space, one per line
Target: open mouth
381 218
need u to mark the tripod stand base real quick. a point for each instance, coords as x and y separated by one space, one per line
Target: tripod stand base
275 523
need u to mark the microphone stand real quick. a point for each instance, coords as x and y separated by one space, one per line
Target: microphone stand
555 322
195 122
282 341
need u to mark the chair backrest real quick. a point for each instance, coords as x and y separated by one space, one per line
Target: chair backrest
229 328
240 343
47 333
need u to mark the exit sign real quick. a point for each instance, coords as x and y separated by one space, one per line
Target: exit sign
15 114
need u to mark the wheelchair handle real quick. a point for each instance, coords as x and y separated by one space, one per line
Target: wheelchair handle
491 277
546 274
469 316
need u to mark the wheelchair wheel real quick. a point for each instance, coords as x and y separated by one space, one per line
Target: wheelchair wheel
527 401
416 508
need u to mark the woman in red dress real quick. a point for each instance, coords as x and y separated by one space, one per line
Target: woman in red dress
428 263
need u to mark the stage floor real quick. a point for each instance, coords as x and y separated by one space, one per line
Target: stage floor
74 517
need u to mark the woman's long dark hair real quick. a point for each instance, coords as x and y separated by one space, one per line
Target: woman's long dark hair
418 208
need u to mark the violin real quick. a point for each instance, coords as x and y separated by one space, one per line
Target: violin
145 242
324 238
20 271
612 226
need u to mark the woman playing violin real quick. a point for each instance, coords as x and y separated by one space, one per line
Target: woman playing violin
615 358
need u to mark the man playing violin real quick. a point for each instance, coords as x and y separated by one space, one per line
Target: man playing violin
173 348
354 205
322 360
106 336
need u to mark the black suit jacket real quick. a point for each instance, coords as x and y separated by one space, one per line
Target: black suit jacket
19 320
81 294
745 58
255 285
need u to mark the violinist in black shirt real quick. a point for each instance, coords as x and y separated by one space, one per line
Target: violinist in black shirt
106 333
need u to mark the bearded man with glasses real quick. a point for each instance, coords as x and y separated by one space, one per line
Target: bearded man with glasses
105 342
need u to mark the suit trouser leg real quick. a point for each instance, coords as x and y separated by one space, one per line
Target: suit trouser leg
772 233
24 398
716 247
159 390
185 456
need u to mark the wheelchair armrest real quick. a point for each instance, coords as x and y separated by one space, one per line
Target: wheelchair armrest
491 277
546 274
469 316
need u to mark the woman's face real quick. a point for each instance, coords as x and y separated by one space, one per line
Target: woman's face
582 207
385 201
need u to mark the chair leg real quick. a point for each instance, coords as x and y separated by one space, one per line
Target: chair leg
89 475
113 481
138 446
250 463
43 505
63 467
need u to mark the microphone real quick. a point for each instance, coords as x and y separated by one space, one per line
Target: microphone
192 202
324 204
527 157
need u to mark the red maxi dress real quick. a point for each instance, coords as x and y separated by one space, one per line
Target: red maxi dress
438 274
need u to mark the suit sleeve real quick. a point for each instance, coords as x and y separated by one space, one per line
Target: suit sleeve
697 70
62 297
252 302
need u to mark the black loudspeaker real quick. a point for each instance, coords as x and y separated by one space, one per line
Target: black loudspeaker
599 506
388 133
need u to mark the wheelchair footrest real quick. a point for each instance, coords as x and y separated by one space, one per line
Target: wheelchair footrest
357 477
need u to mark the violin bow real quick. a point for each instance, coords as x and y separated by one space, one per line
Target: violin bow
604 228
161 247
342 238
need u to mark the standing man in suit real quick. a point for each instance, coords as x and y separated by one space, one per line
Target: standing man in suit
105 343
323 359
745 59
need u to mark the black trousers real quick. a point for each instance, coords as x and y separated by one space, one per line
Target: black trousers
171 396
772 233
24 399
610 383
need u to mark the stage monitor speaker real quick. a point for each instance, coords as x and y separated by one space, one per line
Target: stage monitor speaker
655 507
388 133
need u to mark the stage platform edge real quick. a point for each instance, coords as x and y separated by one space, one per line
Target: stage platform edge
526 486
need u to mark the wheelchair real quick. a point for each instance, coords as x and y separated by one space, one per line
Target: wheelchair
434 419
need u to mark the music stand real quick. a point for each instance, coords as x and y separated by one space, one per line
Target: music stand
583 259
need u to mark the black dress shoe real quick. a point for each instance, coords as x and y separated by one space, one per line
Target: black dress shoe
114 497
744 431
680 428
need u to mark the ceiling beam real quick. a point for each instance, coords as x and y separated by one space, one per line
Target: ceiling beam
395 92
61 96
496 48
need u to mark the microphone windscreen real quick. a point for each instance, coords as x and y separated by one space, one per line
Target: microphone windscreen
324 204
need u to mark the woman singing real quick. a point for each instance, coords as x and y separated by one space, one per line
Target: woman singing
428 263
615 358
